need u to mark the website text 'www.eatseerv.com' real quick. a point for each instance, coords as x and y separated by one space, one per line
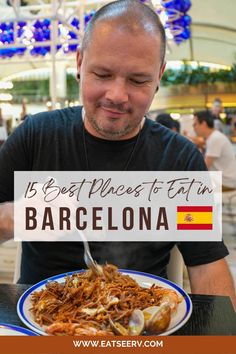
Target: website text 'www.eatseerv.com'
118 343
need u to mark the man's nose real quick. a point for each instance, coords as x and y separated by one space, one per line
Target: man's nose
117 92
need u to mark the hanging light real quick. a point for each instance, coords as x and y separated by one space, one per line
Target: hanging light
173 14
179 21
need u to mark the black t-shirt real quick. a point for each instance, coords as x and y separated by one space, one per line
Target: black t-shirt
54 141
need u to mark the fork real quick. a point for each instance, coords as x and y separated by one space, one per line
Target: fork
88 259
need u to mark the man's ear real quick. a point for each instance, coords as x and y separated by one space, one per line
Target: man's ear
79 62
162 70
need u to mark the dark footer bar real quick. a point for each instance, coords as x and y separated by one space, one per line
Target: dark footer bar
126 344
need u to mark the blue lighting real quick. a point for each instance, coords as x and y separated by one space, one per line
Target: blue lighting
183 21
29 34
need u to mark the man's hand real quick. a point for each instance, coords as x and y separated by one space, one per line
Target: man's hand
212 279
6 221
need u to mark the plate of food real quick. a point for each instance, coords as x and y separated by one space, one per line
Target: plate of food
11 330
117 302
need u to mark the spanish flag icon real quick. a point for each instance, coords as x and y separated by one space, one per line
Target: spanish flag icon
194 218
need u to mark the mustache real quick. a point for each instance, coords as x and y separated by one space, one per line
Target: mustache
119 108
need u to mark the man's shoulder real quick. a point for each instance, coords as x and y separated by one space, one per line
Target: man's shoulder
171 151
165 135
57 116
217 136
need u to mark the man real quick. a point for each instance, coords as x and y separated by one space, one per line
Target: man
120 65
216 110
3 129
219 153
166 120
176 126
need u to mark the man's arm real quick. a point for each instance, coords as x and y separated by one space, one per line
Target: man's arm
6 221
209 161
212 279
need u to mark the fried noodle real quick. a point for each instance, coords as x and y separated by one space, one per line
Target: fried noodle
89 301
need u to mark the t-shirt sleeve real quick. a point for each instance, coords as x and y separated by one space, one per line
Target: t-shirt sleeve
213 147
14 156
198 253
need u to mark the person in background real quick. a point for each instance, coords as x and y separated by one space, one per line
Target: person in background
233 126
199 141
3 129
120 64
219 153
23 113
166 120
216 110
177 127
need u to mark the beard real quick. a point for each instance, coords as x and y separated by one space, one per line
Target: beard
113 133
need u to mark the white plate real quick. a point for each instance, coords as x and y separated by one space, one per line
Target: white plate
10 330
144 279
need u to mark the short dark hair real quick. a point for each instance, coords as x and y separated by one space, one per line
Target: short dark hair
133 15
176 125
166 120
205 116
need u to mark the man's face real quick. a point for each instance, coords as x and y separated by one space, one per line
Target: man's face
198 127
119 74
217 108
